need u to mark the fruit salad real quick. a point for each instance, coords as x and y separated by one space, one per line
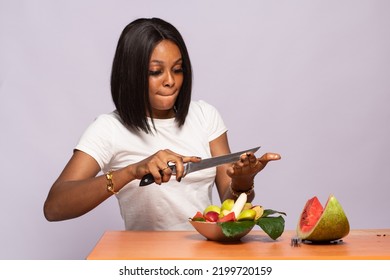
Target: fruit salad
236 216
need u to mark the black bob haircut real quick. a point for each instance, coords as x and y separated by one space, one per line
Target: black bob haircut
130 71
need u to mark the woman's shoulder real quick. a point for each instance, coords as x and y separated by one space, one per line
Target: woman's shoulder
108 118
208 117
106 122
201 105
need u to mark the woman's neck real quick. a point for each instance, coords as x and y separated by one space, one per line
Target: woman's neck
166 114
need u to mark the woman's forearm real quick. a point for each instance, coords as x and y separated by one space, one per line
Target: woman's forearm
69 199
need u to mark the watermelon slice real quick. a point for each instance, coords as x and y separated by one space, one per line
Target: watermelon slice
322 224
198 217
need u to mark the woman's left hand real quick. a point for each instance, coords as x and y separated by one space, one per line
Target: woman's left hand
248 165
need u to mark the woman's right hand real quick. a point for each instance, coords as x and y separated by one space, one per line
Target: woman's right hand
157 165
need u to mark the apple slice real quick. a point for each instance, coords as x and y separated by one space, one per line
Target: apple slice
211 216
239 204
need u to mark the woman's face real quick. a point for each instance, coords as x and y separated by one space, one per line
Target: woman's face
165 79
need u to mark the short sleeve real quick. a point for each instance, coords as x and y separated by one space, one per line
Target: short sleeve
214 123
97 140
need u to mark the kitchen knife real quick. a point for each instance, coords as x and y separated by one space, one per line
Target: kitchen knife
196 166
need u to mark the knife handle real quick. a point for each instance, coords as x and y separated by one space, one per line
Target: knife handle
149 179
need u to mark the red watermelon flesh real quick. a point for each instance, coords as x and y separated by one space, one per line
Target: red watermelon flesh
198 217
311 214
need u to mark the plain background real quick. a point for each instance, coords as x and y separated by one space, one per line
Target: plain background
307 79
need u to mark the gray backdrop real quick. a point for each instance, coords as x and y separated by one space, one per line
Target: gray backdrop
306 79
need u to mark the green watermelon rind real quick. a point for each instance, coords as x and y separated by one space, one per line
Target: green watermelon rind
332 225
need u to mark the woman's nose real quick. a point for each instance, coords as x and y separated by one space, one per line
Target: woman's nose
169 80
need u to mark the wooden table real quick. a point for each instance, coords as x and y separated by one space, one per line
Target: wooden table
189 245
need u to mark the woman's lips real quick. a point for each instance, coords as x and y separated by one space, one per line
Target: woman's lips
166 93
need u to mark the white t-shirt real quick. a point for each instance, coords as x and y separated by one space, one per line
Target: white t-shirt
157 207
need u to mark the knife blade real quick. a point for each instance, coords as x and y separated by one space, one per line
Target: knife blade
196 166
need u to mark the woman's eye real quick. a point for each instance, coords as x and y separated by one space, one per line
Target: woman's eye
178 70
154 72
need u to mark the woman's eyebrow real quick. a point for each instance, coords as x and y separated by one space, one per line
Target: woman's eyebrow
162 62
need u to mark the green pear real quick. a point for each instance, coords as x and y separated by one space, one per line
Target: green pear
259 211
247 205
247 215
227 204
213 208
223 213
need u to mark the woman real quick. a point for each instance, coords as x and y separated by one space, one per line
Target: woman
155 122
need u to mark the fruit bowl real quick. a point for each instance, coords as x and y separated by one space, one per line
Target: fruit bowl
213 231
235 219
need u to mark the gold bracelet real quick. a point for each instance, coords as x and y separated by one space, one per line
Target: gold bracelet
237 193
110 184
